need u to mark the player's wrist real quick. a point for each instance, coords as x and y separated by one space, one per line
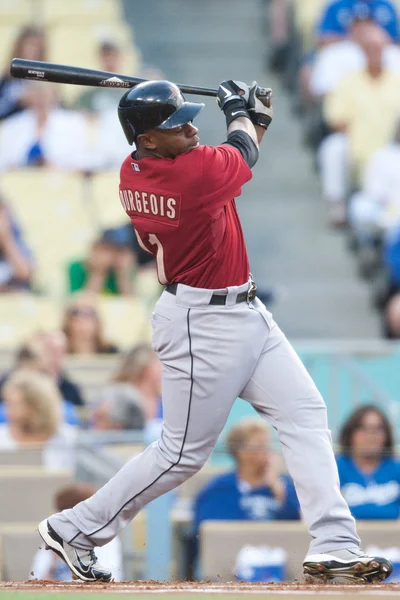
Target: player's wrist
234 110
260 119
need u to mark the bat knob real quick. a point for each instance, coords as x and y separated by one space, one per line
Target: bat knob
265 94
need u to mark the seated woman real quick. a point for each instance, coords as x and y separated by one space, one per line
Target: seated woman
255 490
33 407
83 327
369 474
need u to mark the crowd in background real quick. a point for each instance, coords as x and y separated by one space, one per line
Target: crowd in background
340 61
40 406
38 128
342 68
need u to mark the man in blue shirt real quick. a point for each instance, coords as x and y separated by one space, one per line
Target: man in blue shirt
339 15
255 490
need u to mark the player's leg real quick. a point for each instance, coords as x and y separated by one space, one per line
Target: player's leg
199 387
282 391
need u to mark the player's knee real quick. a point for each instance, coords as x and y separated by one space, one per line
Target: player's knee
311 413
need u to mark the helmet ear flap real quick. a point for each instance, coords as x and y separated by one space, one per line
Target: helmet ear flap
127 127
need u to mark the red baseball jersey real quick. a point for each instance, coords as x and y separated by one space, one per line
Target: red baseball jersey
184 213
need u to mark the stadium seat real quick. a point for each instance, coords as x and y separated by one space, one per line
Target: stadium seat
23 315
83 52
8 33
22 457
53 12
18 544
50 207
126 321
36 483
221 541
16 12
105 200
307 15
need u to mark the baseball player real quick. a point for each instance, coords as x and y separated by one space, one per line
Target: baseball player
215 339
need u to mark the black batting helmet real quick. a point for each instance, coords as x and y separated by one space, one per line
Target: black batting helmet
154 105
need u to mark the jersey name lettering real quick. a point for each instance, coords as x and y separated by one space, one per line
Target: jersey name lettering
145 203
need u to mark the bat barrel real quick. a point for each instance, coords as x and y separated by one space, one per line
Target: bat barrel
45 71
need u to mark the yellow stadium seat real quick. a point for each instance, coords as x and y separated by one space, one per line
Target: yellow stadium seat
23 314
126 320
50 207
105 200
79 11
307 15
8 34
78 45
16 12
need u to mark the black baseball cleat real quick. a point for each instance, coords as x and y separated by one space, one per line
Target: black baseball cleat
350 564
83 563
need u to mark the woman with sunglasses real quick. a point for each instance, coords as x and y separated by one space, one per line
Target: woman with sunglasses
369 473
83 328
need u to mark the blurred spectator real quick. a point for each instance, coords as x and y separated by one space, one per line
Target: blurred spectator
338 15
43 133
140 370
44 352
30 44
83 327
111 264
95 100
369 474
48 566
335 61
56 347
16 264
107 146
363 110
255 490
376 208
33 406
118 407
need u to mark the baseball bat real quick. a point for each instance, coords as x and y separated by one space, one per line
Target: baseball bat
46 71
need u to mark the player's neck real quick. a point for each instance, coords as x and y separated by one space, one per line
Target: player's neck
144 153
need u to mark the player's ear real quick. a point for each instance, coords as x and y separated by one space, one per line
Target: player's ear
147 141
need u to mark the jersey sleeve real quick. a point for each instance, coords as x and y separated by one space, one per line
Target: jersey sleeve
223 173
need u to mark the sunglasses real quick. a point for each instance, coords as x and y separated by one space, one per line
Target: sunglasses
83 312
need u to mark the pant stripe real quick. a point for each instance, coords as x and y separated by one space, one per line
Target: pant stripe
183 441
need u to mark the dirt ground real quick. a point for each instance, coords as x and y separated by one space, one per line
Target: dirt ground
189 589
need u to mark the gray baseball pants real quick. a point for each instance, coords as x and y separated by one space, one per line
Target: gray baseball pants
211 355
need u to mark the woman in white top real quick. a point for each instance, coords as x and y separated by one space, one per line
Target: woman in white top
33 406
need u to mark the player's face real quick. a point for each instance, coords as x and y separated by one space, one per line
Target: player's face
370 436
169 143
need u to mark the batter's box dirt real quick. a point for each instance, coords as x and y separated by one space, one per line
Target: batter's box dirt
37 589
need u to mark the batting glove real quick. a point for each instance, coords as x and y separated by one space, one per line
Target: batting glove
260 109
232 98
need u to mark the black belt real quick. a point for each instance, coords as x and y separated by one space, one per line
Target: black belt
220 299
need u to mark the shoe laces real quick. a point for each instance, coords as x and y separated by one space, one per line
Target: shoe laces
92 556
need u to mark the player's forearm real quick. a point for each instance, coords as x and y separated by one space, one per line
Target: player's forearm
244 124
260 131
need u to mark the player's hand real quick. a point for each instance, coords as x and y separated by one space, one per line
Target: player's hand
260 109
230 90
232 98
